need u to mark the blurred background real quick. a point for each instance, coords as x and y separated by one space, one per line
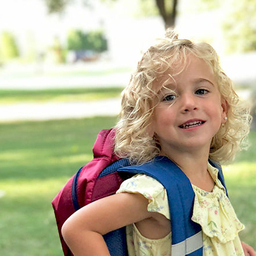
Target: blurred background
63 65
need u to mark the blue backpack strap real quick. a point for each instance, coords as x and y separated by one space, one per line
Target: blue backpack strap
74 192
116 240
220 173
186 234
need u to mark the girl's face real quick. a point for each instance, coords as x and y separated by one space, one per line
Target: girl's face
190 111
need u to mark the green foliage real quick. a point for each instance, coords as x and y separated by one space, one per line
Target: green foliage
8 46
93 40
97 41
56 51
239 26
76 40
202 5
169 6
57 6
147 8
237 19
238 22
30 53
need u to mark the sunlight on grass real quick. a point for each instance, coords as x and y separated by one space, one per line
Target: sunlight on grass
241 170
30 188
84 97
73 158
241 183
59 95
10 155
27 214
24 155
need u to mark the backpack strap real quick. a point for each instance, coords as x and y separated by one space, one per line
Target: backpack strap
220 173
87 186
115 240
186 234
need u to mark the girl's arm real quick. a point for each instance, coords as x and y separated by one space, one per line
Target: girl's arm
84 229
248 250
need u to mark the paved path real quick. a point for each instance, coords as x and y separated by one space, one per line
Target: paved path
240 69
50 82
63 110
60 110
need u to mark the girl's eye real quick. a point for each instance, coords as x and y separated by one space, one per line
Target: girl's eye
202 91
169 98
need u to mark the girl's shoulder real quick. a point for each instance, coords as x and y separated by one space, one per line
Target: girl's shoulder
142 182
151 189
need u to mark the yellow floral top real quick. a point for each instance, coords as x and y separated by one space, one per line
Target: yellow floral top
212 210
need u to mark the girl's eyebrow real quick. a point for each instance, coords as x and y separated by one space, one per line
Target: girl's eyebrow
202 80
172 86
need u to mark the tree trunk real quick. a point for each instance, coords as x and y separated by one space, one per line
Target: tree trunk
168 18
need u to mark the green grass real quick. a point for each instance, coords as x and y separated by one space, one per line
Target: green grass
241 184
82 94
37 159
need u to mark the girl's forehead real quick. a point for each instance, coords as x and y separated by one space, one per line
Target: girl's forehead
192 68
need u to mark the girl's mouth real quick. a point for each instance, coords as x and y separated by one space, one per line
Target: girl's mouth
191 124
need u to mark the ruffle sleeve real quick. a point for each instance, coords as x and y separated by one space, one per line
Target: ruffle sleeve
151 189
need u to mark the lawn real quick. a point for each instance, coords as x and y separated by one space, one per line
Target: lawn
40 96
37 158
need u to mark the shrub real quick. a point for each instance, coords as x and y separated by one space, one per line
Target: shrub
78 40
8 46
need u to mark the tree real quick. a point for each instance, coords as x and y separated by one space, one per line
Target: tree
239 26
166 8
94 40
238 22
168 11
57 6
8 46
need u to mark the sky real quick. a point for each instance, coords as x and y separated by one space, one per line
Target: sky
31 24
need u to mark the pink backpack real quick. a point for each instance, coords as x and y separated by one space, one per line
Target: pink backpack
95 180
103 176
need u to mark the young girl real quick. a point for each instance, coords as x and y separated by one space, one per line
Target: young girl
179 104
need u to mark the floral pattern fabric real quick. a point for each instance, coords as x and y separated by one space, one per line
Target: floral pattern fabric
212 210
137 244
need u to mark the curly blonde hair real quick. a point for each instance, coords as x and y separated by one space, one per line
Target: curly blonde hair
133 139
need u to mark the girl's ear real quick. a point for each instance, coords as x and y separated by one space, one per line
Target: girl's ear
225 107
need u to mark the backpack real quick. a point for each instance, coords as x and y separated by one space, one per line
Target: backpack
103 176
88 185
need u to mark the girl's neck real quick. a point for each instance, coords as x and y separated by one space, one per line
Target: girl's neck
196 169
189 161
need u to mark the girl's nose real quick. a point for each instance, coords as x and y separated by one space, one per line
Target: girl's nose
188 103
